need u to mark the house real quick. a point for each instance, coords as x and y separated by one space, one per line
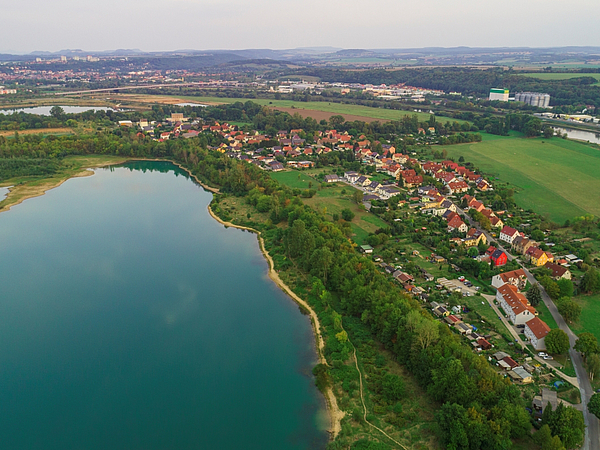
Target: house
362 181
464 328
332 178
508 234
457 187
499 258
514 304
536 331
404 277
452 319
474 237
441 311
366 249
538 257
521 244
456 223
484 344
558 271
351 176
520 375
510 362
515 277
275 166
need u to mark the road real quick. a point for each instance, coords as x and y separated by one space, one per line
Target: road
592 435
592 432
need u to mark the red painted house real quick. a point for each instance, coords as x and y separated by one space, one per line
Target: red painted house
499 258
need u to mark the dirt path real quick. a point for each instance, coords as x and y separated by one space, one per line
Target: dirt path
335 413
37 131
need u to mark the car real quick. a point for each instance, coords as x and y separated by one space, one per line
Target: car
547 357
461 278
477 288
542 354
521 326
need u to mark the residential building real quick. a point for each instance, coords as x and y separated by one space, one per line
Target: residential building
508 234
499 258
516 278
514 304
536 331
331 178
558 271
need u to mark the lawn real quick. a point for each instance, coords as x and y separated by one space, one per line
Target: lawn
561 76
544 314
295 179
590 315
557 177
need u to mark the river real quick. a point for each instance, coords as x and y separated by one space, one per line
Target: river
591 136
45 110
133 320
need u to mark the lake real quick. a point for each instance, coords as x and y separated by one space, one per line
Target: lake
45 110
133 320
591 136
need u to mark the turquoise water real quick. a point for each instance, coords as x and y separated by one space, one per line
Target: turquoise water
130 319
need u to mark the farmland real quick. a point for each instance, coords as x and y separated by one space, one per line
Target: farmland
557 177
561 76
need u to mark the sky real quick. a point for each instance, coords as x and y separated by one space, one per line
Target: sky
164 25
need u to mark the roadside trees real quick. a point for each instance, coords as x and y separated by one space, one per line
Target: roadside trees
557 341
594 405
534 295
587 344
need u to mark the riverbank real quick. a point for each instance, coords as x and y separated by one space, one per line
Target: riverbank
335 413
19 192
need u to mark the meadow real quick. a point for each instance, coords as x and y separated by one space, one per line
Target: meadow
555 177
589 320
331 200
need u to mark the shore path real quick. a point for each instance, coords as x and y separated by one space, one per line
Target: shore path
335 413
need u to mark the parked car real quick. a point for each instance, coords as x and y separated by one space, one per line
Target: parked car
542 354
548 357
461 278
521 326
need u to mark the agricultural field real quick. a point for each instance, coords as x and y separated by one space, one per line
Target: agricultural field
555 177
561 76
365 112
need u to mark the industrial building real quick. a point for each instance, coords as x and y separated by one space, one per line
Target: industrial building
499 94
534 99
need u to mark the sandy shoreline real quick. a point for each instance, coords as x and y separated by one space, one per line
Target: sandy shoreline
335 413
40 189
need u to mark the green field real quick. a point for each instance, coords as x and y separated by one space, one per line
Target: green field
590 315
561 76
336 108
295 179
557 177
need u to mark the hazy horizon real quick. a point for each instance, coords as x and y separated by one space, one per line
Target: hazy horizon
168 25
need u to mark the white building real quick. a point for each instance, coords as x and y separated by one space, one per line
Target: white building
514 304
499 94
536 331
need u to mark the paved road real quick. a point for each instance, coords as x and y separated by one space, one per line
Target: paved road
592 432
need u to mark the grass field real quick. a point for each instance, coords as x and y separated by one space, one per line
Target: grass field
557 177
295 179
590 315
336 108
561 76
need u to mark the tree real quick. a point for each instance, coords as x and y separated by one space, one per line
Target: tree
358 196
534 295
568 309
567 423
594 405
473 252
57 112
551 287
566 287
392 388
590 282
557 341
347 215
593 365
546 441
587 344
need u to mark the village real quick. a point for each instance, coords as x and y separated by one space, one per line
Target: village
439 197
